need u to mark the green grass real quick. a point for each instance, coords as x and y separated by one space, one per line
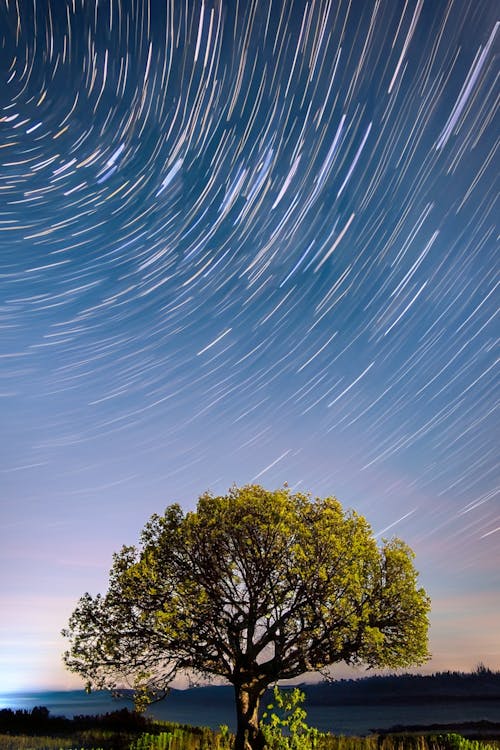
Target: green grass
178 737
168 737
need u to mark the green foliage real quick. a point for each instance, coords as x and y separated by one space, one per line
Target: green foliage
184 739
284 723
235 576
162 741
454 741
224 739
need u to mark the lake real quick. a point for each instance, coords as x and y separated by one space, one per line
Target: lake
181 707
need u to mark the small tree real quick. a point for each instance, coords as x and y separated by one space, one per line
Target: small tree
254 586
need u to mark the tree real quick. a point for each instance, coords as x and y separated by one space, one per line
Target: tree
254 586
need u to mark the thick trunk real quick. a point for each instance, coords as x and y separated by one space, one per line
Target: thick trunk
248 734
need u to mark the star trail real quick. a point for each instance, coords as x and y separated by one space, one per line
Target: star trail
246 240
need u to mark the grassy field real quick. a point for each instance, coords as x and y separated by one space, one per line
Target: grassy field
178 737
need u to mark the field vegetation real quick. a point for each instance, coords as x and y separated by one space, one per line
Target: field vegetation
183 738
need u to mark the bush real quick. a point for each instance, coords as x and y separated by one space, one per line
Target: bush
285 727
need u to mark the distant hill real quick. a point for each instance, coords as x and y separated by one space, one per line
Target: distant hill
408 688
481 685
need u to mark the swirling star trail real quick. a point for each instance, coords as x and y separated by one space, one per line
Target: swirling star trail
246 240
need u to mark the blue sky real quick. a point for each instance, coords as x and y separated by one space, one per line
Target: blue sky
241 243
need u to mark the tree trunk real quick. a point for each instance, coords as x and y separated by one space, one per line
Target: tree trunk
248 734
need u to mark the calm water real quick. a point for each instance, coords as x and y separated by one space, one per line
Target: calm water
337 719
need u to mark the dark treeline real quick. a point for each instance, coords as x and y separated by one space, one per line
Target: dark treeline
117 730
38 721
482 684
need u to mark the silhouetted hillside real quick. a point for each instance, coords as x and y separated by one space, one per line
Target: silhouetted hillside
409 688
481 685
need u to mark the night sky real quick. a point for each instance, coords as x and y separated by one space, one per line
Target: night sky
246 241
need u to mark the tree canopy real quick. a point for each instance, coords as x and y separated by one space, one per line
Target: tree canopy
254 586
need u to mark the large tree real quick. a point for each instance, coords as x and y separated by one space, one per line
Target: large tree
254 586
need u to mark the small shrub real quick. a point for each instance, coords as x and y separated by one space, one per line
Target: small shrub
285 728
